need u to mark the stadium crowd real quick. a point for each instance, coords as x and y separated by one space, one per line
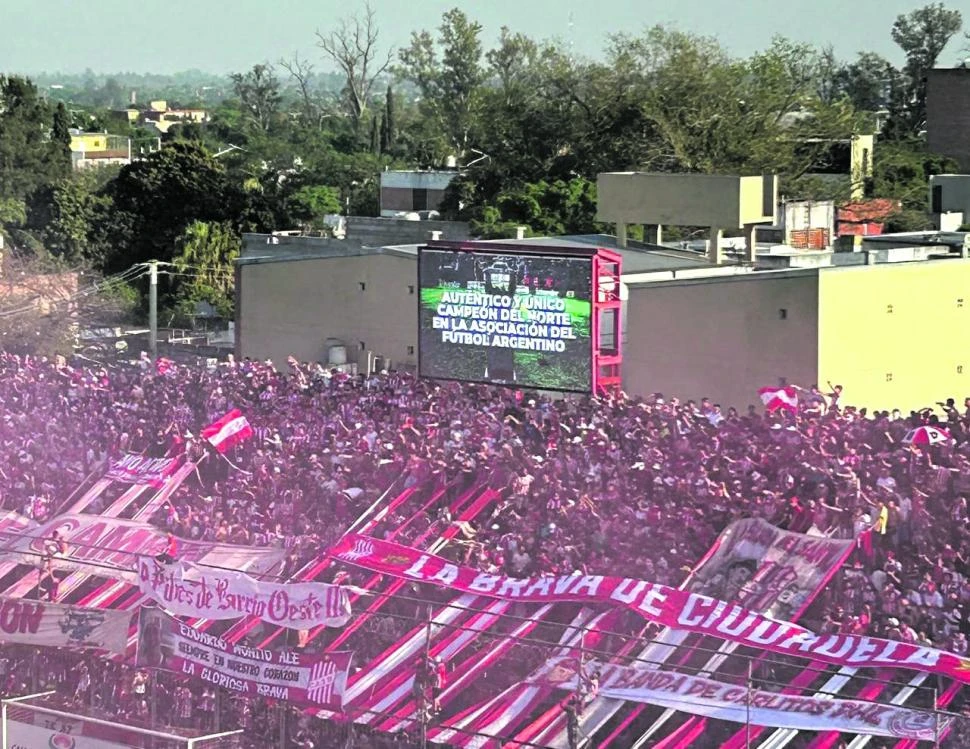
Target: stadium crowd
636 487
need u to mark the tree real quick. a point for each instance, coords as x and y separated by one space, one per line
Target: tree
902 171
259 93
922 35
44 302
388 134
868 81
301 71
26 157
451 84
61 140
375 133
156 198
353 47
205 255
311 203
62 215
549 209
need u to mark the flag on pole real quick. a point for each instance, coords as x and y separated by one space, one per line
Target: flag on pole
775 398
230 430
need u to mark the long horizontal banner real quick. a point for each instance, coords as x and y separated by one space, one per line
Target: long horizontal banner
736 703
137 469
185 589
658 603
317 680
112 548
58 625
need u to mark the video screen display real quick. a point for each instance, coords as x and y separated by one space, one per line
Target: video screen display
506 319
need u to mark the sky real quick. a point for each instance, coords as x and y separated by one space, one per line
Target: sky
223 36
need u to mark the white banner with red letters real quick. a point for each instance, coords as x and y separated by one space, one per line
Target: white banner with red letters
186 589
306 679
62 626
737 703
680 609
137 469
111 547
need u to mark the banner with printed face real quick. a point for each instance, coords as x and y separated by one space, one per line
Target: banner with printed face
771 571
137 469
671 607
185 589
58 625
317 680
715 699
111 548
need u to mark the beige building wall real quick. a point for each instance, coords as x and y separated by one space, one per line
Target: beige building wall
722 338
719 200
896 335
293 307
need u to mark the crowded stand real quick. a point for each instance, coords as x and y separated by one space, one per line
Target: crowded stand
504 481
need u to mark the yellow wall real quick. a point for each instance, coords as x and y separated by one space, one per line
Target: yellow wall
89 142
861 166
721 338
907 358
293 307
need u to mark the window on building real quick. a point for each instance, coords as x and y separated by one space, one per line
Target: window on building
937 199
419 199
768 195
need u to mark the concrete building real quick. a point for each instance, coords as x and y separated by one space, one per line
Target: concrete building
894 335
99 149
949 200
893 327
714 200
405 192
301 295
159 116
948 114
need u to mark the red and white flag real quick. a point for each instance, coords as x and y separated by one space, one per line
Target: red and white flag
775 398
230 430
328 680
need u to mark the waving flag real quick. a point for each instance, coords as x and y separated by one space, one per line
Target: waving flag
775 398
230 430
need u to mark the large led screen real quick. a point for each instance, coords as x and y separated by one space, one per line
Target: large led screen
506 319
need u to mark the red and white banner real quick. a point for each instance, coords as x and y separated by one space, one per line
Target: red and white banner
230 430
61 626
318 679
736 703
137 469
679 609
186 589
112 548
769 570
775 398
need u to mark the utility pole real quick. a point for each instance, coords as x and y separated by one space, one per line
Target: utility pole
153 309
428 679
